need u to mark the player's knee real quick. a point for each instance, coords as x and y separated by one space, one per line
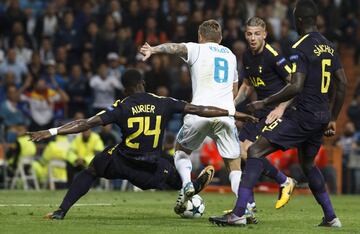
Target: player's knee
179 154
307 167
254 152
179 147
91 170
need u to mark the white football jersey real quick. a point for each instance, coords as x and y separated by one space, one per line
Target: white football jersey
213 72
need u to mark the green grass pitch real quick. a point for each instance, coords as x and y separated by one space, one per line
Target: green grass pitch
152 212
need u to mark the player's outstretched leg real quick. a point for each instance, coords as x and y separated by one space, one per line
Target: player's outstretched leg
287 184
204 178
317 187
183 166
229 219
285 192
80 186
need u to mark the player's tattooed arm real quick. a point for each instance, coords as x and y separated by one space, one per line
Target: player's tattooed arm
75 126
210 111
167 48
244 92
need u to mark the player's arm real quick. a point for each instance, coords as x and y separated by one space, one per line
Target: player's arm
178 49
340 82
209 111
244 92
75 126
278 111
288 92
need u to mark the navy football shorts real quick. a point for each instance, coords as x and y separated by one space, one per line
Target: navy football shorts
289 132
110 164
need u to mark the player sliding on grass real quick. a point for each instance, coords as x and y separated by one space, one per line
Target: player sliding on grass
266 72
214 82
316 71
142 118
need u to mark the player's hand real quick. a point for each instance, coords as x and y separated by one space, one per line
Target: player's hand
331 129
146 50
257 105
245 117
275 114
38 136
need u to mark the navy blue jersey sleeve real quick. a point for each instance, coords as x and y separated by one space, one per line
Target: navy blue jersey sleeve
174 106
111 114
282 66
299 62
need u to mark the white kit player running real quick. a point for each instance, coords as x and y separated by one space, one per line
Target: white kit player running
214 82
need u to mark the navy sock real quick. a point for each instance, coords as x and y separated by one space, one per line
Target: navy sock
251 174
79 187
272 172
317 187
251 199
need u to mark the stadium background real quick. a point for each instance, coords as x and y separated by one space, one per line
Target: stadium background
61 60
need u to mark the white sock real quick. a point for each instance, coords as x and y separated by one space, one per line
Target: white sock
183 166
285 183
235 178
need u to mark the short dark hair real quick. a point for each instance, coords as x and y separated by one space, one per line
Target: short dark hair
307 11
210 30
131 78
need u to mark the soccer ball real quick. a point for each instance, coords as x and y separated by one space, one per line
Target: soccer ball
195 208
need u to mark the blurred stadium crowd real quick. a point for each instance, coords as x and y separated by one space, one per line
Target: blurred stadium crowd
62 60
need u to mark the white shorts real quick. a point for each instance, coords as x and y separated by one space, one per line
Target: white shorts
221 129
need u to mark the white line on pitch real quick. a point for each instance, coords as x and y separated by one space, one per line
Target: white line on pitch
30 205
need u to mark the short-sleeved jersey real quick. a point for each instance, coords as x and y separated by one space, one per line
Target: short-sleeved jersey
266 72
142 118
315 57
213 72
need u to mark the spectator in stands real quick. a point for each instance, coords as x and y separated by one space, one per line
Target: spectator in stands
157 76
57 149
82 150
104 88
108 37
42 101
115 69
46 50
10 110
78 90
183 90
8 80
92 42
23 53
22 147
151 34
53 79
132 17
68 36
35 68
87 65
13 14
232 32
11 64
354 111
347 142
125 46
47 24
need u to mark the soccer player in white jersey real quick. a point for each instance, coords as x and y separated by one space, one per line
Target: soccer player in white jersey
214 82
